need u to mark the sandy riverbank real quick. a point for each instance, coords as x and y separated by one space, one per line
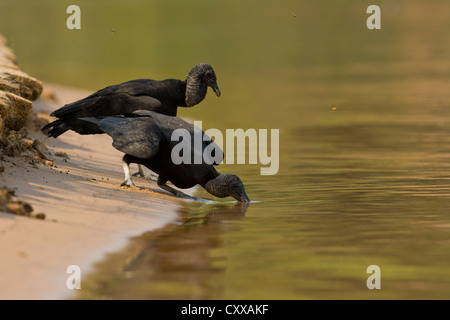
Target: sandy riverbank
87 213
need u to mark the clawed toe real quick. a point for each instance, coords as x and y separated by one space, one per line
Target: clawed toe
145 173
128 184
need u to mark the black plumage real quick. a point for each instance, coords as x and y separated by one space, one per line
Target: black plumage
146 139
162 96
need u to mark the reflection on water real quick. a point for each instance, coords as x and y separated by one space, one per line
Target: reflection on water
364 120
171 263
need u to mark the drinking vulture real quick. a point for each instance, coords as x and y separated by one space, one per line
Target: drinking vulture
147 138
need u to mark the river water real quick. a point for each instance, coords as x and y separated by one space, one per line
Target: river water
364 152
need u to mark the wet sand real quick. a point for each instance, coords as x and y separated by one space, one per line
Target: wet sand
88 214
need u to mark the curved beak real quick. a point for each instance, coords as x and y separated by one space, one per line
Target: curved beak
241 197
245 198
215 87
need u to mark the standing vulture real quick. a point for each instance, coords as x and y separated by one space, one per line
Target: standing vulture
162 96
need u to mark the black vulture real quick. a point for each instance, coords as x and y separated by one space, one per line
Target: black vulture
162 96
146 139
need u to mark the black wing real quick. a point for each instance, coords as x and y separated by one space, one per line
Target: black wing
168 124
138 137
114 100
